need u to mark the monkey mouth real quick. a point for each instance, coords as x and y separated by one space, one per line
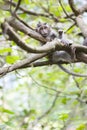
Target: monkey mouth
45 34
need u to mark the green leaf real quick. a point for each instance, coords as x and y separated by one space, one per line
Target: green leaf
27 1
12 59
81 127
5 50
6 110
68 8
63 116
32 111
70 30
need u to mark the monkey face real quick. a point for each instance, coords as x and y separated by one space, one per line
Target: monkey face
43 29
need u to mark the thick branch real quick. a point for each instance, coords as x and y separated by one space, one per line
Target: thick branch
83 9
82 57
21 63
51 46
21 27
17 39
28 62
77 11
5 70
82 25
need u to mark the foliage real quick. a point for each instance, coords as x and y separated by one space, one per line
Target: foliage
41 98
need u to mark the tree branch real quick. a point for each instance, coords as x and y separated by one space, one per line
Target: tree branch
29 60
27 11
83 9
71 3
50 46
82 25
17 6
49 110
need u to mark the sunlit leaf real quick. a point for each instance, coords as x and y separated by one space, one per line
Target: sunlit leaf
81 127
12 59
63 116
6 110
5 50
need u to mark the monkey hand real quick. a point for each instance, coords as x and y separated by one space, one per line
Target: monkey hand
66 42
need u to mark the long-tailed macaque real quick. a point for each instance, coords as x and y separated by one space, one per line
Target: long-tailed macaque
46 31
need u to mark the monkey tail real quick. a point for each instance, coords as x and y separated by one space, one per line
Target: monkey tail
71 73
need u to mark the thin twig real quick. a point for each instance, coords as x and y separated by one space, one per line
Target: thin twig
17 6
50 109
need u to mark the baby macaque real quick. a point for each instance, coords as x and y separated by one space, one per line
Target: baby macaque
63 38
62 55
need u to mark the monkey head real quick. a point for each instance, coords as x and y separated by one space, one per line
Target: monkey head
60 32
43 29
